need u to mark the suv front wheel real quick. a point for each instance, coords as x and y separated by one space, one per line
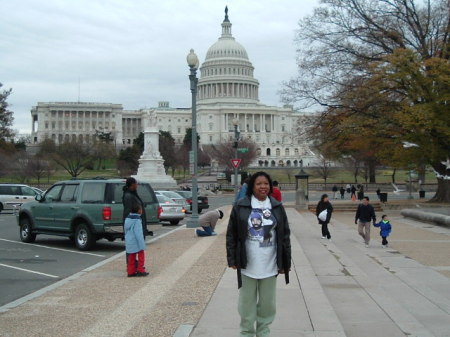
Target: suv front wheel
84 239
26 234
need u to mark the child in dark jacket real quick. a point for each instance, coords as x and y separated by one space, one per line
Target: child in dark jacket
385 229
134 242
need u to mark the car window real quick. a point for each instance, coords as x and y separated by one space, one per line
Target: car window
5 190
53 193
173 195
16 190
69 193
162 199
28 191
145 193
93 193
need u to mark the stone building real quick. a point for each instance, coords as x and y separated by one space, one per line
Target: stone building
227 91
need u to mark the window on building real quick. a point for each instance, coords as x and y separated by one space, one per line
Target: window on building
277 152
296 152
282 128
210 138
179 130
286 152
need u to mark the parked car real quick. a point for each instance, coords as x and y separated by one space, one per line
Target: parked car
83 210
175 197
203 202
12 195
170 211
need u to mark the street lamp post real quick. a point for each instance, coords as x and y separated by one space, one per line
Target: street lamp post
410 185
236 144
193 63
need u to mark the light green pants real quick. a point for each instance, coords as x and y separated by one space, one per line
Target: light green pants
257 303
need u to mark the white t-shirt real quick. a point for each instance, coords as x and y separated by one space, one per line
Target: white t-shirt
261 243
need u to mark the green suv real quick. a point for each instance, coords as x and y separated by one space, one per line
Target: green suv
83 210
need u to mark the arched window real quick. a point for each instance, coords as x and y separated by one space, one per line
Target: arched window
272 163
277 152
288 163
296 151
286 152
258 152
266 163
268 152
295 162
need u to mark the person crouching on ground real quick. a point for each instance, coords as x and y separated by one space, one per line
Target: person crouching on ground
259 248
385 229
208 222
134 242
324 206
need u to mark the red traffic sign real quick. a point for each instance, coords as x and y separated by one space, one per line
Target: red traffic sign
235 162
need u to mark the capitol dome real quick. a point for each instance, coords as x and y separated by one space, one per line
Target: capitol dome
227 73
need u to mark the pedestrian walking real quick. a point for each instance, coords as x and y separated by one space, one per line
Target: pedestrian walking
342 192
134 242
385 229
276 193
365 213
348 188
323 213
335 191
259 248
208 222
353 191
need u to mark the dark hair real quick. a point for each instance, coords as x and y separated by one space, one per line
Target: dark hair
251 182
135 208
323 197
275 183
220 214
367 198
130 181
383 216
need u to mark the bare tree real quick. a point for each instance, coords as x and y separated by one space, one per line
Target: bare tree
38 168
73 157
323 169
224 152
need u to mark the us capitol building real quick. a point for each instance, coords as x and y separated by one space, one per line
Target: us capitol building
227 91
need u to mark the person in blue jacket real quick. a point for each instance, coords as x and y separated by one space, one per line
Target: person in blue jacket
134 242
385 229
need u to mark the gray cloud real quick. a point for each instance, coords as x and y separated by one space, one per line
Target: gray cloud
134 52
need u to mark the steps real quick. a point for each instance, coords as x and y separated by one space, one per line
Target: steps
347 206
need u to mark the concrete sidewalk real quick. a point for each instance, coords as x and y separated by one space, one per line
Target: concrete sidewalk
341 288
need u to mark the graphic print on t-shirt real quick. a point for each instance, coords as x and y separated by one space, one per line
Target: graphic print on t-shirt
260 226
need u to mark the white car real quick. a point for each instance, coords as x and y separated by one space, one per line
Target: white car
175 197
170 211
13 195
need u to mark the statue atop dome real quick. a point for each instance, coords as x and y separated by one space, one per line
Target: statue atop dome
226 15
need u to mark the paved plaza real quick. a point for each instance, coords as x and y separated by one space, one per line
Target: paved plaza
338 288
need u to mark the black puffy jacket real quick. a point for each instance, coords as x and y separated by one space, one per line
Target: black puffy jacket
237 232
130 198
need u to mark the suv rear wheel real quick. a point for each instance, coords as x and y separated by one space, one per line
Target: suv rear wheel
84 239
26 234
1 207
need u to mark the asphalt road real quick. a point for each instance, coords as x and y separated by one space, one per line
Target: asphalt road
25 267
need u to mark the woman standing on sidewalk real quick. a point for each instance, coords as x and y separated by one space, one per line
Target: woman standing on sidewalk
259 248
323 213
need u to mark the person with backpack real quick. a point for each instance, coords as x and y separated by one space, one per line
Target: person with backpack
323 213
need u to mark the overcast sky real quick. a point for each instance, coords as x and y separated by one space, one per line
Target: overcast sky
133 52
